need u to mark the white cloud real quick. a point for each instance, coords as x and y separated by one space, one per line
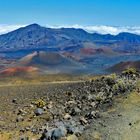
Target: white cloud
114 30
7 28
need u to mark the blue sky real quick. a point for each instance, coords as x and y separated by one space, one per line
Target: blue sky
70 12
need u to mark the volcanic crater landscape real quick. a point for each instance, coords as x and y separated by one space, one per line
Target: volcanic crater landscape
68 84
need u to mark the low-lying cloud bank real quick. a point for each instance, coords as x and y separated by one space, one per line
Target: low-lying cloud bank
114 30
8 28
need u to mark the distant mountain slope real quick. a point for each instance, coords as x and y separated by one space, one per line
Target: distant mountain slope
34 36
92 51
65 39
124 65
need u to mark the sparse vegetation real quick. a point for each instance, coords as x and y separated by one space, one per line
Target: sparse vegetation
130 72
40 103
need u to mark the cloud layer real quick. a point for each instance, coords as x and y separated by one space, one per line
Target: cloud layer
114 30
8 28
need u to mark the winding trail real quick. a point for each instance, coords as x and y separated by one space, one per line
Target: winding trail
123 120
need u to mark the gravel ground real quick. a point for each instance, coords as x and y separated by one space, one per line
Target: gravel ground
95 109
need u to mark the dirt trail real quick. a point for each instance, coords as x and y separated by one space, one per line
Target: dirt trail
39 83
131 116
123 121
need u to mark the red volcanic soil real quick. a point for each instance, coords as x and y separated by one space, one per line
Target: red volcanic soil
87 51
16 71
124 65
91 51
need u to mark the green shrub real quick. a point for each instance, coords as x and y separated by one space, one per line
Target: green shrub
40 103
111 79
130 71
120 85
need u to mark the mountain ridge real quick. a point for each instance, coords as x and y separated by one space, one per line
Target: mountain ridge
35 36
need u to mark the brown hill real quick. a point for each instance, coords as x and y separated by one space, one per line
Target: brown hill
124 65
46 59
